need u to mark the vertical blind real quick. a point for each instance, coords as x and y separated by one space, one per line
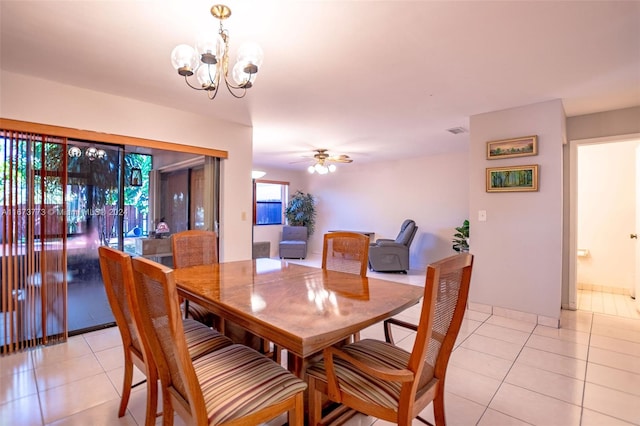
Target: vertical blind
33 234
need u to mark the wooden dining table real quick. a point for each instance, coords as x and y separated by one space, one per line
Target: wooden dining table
299 308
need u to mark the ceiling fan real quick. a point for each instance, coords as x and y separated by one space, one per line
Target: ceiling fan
324 162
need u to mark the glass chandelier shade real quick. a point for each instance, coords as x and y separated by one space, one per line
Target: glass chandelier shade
209 61
92 153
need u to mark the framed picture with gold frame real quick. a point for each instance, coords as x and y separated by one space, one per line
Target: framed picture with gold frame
512 178
507 148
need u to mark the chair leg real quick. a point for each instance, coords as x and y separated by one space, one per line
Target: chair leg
315 403
296 415
152 398
438 407
126 383
167 409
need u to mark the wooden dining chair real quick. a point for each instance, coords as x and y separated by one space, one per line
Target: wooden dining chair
117 275
383 380
198 247
115 266
191 248
346 252
234 385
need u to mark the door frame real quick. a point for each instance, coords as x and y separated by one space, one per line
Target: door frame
572 302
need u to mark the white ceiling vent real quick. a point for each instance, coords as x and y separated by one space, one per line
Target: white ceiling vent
457 130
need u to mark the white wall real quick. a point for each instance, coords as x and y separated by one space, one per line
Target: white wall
378 197
41 101
518 250
607 214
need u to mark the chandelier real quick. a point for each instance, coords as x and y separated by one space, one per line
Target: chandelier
209 61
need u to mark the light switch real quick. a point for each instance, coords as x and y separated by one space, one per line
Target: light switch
482 215
244 215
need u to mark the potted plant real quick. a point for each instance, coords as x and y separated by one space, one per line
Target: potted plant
301 211
461 238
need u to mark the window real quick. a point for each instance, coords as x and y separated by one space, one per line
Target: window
270 201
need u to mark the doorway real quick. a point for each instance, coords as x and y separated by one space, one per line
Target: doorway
603 272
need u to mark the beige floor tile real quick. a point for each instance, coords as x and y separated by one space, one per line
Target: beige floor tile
617 333
525 326
614 378
567 334
503 333
105 414
50 355
111 358
72 398
457 411
615 359
103 339
469 385
411 314
476 315
576 320
593 418
556 346
17 386
15 363
23 412
137 406
480 362
534 408
466 329
616 322
547 383
491 346
611 402
68 371
116 376
495 418
617 345
407 342
415 422
560 364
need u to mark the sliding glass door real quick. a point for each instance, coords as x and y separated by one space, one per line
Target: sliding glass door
94 213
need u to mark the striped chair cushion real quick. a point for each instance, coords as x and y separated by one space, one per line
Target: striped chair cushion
200 313
363 386
237 381
202 339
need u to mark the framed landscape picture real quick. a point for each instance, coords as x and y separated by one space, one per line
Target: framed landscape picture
512 178
519 147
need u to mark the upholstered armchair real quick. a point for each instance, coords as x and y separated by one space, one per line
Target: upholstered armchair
386 255
294 242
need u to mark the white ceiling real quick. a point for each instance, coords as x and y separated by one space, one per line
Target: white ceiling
377 80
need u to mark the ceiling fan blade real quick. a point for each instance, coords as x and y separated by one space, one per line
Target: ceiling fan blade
306 160
343 158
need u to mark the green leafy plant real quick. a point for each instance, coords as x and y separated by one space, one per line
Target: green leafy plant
301 211
461 238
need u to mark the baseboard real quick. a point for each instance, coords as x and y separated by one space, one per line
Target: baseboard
604 289
515 315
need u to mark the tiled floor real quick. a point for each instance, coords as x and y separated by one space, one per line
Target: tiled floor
502 372
608 303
